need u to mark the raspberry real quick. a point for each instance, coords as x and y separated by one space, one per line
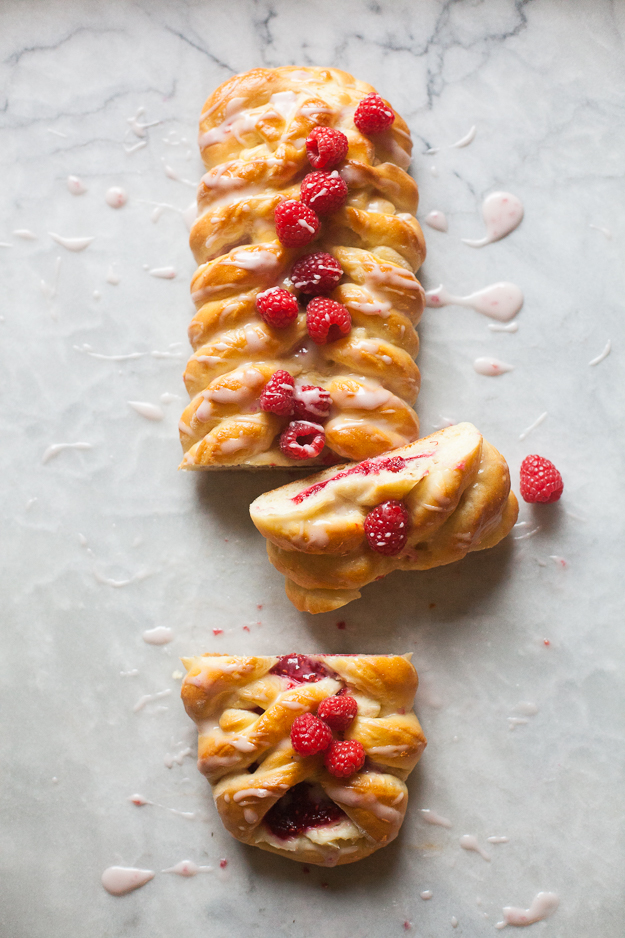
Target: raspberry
540 480
277 307
311 434
311 403
326 147
296 224
327 320
338 711
345 757
386 527
373 115
323 192
316 273
277 395
310 735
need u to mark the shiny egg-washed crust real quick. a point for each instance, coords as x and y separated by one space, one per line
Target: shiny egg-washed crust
252 139
249 761
455 486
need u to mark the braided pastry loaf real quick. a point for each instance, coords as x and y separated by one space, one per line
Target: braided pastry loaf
269 796
253 136
455 491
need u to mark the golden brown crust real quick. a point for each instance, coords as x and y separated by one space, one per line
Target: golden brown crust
252 139
248 758
455 486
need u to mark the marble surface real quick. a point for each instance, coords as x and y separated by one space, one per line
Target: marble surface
101 543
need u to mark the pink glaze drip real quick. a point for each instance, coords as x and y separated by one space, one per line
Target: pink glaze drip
366 468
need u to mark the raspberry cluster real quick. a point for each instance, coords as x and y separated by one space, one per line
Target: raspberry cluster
311 735
304 437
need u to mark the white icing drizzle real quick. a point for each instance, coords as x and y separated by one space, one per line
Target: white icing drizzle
433 818
138 127
177 759
603 355
57 448
116 197
112 277
523 537
25 233
491 366
136 146
188 868
164 273
71 244
533 426
75 185
500 327
502 213
437 220
501 301
469 842
498 840
119 880
148 698
161 635
543 905
604 231
149 411
426 894
468 138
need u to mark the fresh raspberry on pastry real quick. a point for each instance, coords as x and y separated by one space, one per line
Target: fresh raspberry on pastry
326 147
373 115
323 192
331 806
296 224
328 533
338 711
277 307
327 320
317 273
302 439
310 735
540 480
277 395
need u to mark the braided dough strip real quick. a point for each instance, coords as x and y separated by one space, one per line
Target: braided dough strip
455 486
252 139
249 760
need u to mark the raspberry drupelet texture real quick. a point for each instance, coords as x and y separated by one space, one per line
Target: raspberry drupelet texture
310 735
302 439
540 480
338 711
323 192
277 307
327 320
311 403
277 395
344 757
373 115
315 274
296 224
326 147
386 527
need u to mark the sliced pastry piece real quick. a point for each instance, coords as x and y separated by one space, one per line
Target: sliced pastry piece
307 244
307 755
417 507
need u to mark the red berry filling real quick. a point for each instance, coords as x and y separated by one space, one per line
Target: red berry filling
326 147
327 320
338 711
277 395
300 669
316 273
373 115
344 757
302 440
296 224
277 307
540 480
365 468
310 735
311 403
386 527
323 192
300 809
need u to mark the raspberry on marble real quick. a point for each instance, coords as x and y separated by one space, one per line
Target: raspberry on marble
540 480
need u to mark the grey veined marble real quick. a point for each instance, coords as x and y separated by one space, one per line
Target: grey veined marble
105 541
